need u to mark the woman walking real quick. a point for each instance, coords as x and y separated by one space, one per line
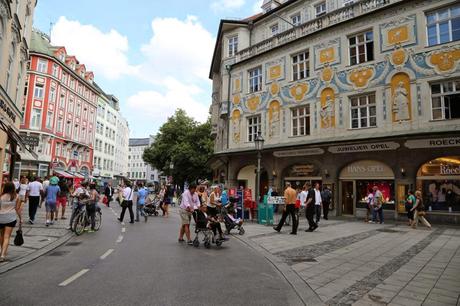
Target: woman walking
10 210
127 203
419 211
91 206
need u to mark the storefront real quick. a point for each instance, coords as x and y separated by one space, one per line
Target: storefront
300 174
356 181
439 181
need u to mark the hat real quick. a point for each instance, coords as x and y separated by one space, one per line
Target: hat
54 180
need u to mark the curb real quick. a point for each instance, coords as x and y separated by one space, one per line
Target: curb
26 259
306 295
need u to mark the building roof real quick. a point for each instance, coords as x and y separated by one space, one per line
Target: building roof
133 142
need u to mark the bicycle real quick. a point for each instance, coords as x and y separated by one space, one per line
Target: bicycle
82 220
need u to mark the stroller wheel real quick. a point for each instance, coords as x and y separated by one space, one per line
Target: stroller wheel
155 213
218 243
207 244
241 232
196 243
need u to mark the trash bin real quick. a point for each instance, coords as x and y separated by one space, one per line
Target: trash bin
265 213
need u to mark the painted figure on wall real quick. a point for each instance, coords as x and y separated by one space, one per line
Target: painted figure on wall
401 103
274 119
236 126
327 112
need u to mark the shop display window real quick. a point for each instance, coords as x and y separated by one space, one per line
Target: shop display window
364 187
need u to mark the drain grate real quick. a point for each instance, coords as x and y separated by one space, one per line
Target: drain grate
74 243
301 259
58 253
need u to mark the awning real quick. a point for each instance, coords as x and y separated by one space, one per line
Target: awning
78 175
63 174
16 138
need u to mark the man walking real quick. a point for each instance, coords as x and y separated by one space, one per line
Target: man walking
313 198
378 202
189 203
290 196
51 195
34 191
318 202
108 192
142 194
127 203
326 197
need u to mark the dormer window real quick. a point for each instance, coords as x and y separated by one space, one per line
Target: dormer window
274 29
61 56
320 9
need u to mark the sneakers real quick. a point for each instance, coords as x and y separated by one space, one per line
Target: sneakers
371 221
180 240
31 222
276 229
190 242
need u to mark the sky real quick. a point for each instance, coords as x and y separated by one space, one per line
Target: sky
153 55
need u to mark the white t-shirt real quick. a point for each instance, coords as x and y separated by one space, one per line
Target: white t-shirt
128 194
23 189
317 197
35 188
303 197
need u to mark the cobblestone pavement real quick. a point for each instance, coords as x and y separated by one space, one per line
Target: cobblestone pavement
356 263
38 239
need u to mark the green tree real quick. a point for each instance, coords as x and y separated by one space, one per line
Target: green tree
184 144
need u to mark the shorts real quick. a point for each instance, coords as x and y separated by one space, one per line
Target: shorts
11 224
185 216
50 206
22 198
61 201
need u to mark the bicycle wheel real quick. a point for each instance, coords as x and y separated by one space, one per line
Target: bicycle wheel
98 220
80 223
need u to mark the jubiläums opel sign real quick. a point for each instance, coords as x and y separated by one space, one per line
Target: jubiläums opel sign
366 147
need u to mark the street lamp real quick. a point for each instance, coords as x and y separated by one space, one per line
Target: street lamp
259 142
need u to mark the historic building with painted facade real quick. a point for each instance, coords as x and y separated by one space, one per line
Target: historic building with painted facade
16 18
60 110
350 94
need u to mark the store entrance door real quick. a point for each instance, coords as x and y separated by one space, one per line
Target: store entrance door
347 197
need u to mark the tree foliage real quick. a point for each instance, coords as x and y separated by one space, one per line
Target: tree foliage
183 143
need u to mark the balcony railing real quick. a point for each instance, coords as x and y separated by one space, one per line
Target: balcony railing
337 16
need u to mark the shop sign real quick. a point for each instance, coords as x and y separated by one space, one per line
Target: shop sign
449 170
302 170
366 169
301 152
276 200
31 141
433 143
8 111
367 147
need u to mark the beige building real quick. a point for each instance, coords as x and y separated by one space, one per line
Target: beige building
350 94
15 32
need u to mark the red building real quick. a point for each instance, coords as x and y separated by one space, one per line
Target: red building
59 109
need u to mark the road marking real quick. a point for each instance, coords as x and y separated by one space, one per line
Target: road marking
73 277
123 229
104 256
120 239
123 223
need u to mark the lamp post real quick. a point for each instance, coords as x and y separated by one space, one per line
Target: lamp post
259 143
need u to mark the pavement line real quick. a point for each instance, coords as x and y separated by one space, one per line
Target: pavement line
123 223
104 256
120 239
73 277
123 229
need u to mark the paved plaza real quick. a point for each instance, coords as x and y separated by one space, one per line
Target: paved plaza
355 263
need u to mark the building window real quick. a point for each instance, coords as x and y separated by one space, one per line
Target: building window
49 120
76 132
300 121
363 111
36 118
38 92
296 19
253 127
68 128
255 79
8 75
361 48
348 2
78 109
232 46
52 98
70 108
42 65
274 29
62 100
64 78
445 100
320 9
300 66
59 125
55 70
443 25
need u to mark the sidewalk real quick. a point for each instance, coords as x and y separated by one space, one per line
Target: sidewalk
38 239
355 263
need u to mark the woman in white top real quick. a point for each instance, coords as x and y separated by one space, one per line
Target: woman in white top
9 211
23 190
214 202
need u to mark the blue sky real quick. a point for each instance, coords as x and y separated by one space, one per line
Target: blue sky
153 55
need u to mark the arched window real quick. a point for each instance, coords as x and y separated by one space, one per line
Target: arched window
10 66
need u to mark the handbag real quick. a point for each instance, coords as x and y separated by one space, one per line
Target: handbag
19 239
421 213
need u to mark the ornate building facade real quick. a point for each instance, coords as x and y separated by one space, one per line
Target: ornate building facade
16 18
350 94
60 110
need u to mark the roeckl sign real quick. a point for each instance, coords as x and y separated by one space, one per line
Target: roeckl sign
449 170
433 143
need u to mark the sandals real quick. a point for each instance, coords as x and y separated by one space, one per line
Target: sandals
3 259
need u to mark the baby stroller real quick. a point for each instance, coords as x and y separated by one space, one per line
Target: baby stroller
152 204
230 221
202 228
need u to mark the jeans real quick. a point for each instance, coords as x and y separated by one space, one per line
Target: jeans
318 212
289 210
309 213
139 211
33 205
377 212
326 209
127 205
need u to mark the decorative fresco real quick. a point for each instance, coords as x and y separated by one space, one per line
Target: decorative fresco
398 33
401 102
327 54
327 111
274 121
275 70
236 125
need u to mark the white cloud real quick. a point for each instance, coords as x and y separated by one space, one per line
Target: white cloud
179 48
257 8
227 5
103 53
157 106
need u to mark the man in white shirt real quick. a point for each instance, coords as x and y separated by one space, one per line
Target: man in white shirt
34 191
318 202
127 203
189 202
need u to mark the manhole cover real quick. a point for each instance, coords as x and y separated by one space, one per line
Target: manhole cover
74 243
387 230
302 259
58 253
